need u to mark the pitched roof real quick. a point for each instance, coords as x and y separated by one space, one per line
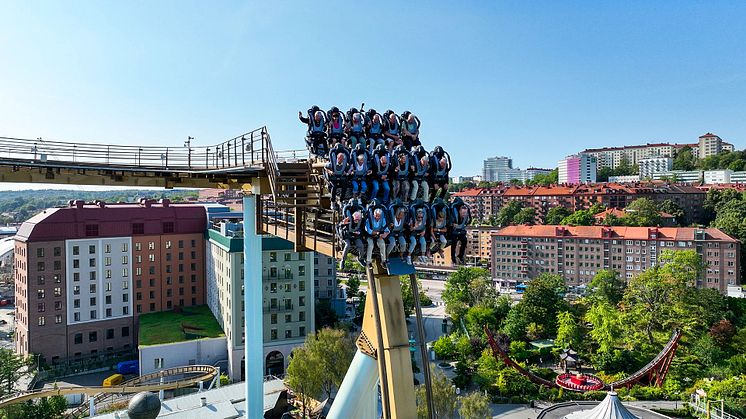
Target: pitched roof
616 232
610 408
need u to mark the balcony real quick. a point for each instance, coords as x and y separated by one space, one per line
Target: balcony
279 308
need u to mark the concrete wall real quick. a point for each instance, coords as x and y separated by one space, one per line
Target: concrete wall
179 354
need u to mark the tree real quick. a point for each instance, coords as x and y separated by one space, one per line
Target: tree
642 212
544 179
332 350
555 215
579 218
12 368
475 406
660 298
444 347
478 317
466 288
353 286
443 394
408 298
303 377
525 216
684 159
670 207
606 329
52 407
607 286
568 332
324 315
508 212
542 300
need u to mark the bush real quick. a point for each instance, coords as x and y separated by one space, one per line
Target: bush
444 347
646 393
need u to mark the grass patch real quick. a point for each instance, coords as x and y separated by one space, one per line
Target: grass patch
177 326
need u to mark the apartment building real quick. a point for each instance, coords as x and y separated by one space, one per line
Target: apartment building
652 165
576 169
325 283
288 299
479 243
707 145
520 253
84 273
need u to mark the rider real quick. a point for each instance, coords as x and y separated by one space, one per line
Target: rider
440 167
381 171
410 130
337 172
336 125
377 230
397 227
375 129
393 129
350 230
417 228
421 173
438 226
402 167
460 218
355 127
359 170
316 138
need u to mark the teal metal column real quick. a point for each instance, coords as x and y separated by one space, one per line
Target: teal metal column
252 266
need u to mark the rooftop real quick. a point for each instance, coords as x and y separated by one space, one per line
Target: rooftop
172 326
599 232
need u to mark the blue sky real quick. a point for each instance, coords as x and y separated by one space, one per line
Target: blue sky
531 80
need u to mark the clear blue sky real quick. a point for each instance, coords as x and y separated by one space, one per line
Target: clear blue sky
534 81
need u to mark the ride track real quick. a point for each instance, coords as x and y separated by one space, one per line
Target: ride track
198 373
654 373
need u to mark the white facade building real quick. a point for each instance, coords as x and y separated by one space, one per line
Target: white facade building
717 176
652 165
624 179
693 176
99 280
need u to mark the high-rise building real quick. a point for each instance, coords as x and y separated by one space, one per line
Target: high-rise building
325 283
520 253
710 145
499 169
84 273
288 293
576 169
652 165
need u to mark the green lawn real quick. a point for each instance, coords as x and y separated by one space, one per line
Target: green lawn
169 326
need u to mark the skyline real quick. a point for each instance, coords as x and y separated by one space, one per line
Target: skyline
512 78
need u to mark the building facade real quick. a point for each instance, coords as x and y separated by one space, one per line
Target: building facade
84 273
652 165
577 169
288 294
520 253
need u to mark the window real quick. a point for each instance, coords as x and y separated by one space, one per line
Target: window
301 270
273 256
273 334
168 244
76 263
76 317
58 319
76 303
302 331
76 250
273 318
181 244
92 288
273 287
151 245
40 266
42 321
288 318
138 228
40 252
58 251
92 249
108 312
107 274
151 257
125 285
58 292
125 298
181 255
126 310
41 307
288 334
168 227
92 336
93 314
91 230
108 299
40 294
57 265
107 261
109 333
158 363
58 305
301 285
78 338
138 247
107 248
40 280
301 301
288 257
301 316
125 272
194 243
92 262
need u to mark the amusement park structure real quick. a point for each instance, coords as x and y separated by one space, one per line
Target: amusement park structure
654 373
284 196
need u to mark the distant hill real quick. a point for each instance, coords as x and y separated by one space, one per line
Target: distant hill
18 206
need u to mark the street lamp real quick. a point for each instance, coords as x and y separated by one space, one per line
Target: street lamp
188 145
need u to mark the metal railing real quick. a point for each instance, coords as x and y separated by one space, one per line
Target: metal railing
249 150
716 408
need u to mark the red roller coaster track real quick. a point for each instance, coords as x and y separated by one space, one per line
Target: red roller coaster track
654 373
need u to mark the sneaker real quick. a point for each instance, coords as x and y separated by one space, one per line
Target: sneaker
409 260
385 265
441 253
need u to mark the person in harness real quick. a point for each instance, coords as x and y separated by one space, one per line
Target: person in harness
337 173
375 130
398 226
460 219
316 137
393 129
421 173
377 230
418 229
380 178
410 130
438 226
440 166
350 231
359 171
336 126
401 170
355 127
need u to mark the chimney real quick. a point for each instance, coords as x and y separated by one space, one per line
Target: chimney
165 202
101 204
79 203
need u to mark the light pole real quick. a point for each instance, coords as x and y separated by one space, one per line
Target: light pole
188 145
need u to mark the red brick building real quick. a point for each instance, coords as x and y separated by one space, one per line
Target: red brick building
520 253
84 274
